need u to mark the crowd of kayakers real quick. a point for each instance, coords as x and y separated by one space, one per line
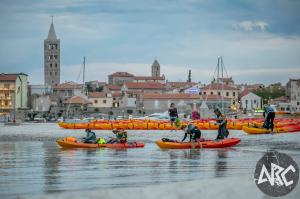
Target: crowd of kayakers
194 133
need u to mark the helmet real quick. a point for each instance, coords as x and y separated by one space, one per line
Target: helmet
114 130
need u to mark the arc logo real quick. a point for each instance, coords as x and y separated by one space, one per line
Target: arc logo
276 174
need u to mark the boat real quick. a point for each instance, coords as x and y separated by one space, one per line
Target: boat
260 130
227 142
67 143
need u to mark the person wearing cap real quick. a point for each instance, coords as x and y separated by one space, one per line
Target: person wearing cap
192 131
221 121
269 115
173 113
121 136
90 137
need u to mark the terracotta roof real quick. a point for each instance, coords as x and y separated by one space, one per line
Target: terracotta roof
172 96
118 94
216 86
77 100
180 84
8 77
226 79
113 87
149 78
121 74
281 99
244 92
67 85
144 85
96 95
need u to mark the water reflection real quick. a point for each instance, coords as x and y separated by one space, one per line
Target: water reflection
221 163
51 168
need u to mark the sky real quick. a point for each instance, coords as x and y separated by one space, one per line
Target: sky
258 40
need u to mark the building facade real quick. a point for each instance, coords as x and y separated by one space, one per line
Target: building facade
13 92
293 93
51 58
250 101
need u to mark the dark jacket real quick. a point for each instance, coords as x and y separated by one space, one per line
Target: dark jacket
173 112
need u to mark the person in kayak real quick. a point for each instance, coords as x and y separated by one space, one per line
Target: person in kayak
121 136
269 115
173 113
221 121
90 137
192 131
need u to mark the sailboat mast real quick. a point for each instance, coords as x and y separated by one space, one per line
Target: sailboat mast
83 75
222 85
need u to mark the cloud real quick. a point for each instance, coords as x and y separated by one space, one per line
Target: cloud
251 25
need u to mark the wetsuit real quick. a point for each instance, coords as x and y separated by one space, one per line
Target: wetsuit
222 130
90 137
173 114
269 114
194 133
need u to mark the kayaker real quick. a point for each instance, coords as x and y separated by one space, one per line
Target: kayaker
269 115
121 136
192 130
221 121
90 137
173 113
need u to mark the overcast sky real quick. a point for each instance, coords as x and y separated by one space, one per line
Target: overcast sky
259 40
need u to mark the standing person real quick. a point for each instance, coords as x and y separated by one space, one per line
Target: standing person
90 137
195 115
173 113
193 131
222 122
269 115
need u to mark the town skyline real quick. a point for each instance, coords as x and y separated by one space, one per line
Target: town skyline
255 48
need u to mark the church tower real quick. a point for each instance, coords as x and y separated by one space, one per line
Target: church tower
51 58
155 69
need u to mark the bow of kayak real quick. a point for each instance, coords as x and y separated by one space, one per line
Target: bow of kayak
72 144
228 142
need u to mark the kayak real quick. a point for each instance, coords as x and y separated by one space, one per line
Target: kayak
227 142
74 144
285 129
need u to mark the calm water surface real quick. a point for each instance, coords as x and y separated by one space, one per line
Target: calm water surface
32 163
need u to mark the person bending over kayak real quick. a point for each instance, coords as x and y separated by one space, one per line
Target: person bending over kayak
90 137
269 115
221 121
192 131
121 136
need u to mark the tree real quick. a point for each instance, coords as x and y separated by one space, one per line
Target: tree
189 76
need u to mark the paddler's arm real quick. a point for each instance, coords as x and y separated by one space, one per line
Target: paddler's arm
185 135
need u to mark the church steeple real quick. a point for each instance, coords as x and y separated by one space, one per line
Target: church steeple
52 58
51 33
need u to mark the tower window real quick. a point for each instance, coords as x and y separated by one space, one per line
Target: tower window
55 65
50 65
49 46
55 56
49 57
55 73
50 73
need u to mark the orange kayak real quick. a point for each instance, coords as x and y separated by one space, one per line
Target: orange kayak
71 144
228 142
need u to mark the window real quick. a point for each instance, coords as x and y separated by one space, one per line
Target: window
50 73
298 103
55 65
211 93
233 94
219 93
55 56
50 65
6 95
254 101
6 86
6 103
204 93
104 101
95 101
114 98
227 94
200 93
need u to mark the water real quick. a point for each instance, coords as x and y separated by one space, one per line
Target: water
31 162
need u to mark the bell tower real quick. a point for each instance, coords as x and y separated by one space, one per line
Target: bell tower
155 69
51 58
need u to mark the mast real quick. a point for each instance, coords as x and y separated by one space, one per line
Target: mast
222 85
83 76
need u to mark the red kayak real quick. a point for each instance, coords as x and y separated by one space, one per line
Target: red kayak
74 144
228 142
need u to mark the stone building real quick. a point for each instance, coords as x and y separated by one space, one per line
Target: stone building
119 78
51 58
155 69
293 93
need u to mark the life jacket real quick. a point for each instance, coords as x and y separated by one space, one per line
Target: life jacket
101 141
